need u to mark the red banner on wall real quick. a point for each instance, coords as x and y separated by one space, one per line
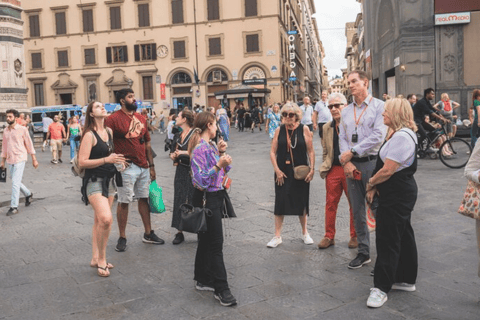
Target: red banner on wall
163 96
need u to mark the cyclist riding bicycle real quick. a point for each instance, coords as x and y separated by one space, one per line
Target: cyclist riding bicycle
422 109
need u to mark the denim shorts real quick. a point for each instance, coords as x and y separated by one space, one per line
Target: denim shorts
136 184
96 187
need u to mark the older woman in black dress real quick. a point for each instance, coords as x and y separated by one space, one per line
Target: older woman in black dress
183 187
292 139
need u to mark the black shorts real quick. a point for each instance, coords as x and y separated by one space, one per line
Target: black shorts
45 136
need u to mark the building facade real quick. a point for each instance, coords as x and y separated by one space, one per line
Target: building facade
13 93
408 49
173 53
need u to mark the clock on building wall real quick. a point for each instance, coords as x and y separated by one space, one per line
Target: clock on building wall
162 51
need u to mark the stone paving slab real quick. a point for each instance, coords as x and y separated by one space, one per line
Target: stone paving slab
45 252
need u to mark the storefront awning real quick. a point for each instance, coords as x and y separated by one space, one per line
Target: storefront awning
242 91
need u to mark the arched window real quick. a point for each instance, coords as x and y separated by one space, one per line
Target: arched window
220 76
181 78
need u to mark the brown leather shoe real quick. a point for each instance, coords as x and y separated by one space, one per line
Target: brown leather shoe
353 243
325 243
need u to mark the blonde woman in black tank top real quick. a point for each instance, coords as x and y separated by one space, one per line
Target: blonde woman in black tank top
96 158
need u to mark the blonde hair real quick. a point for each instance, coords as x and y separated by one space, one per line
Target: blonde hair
401 114
444 96
290 106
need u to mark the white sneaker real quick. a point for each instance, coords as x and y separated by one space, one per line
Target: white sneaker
274 242
404 287
71 161
377 298
307 239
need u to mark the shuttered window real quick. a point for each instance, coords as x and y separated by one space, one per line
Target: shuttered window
179 49
215 46
37 60
147 87
90 56
117 54
213 10
87 20
145 51
252 43
115 18
251 9
177 11
34 25
39 98
61 23
62 58
143 15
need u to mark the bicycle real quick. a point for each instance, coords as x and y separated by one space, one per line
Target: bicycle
453 152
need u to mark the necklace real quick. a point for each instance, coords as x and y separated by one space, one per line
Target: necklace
289 138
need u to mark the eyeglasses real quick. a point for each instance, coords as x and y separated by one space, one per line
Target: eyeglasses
336 105
290 115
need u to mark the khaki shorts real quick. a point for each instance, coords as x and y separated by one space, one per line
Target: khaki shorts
56 144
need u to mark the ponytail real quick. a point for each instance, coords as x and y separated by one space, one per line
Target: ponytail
194 140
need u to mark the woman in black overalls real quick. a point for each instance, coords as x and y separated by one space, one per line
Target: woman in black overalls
396 266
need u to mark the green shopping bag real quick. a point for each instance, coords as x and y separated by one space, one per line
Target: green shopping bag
155 198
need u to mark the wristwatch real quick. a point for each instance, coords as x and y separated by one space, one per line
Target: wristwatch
354 152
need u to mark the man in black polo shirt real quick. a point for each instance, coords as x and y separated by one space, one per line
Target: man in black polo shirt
422 109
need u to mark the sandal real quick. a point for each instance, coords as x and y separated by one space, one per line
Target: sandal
109 266
107 274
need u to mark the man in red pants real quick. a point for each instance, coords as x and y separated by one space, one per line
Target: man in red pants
332 171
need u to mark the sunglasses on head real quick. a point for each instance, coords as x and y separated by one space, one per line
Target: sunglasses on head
289 115
336 105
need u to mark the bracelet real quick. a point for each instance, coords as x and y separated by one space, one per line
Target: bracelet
217 167
152 165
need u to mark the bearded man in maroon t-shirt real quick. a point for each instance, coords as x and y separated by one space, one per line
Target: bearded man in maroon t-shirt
131 138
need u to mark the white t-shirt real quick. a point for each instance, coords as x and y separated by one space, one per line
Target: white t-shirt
170 126
400 148
324 114
46 121
307 115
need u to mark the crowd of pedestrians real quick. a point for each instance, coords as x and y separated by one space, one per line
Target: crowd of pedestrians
369 154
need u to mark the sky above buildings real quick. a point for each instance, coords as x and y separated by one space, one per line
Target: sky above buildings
331 18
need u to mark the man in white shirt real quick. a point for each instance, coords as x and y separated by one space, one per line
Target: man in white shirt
307 111
361 134
46 122
321 115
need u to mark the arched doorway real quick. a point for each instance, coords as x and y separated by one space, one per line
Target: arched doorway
181 86
217 80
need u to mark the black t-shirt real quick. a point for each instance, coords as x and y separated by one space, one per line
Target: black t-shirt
422 109
241 113
255 112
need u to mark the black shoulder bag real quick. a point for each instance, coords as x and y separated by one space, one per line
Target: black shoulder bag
194 219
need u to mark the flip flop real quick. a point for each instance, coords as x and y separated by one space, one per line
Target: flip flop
109 266
104 269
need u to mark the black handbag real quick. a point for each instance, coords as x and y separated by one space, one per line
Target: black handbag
194 219
228 211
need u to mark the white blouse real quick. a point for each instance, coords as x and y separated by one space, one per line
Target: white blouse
473 166
400 148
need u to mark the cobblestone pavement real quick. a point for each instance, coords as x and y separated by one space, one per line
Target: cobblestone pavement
45 252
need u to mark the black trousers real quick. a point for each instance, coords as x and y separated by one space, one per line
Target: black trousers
241 124
320 129
423 127
397 259
209 266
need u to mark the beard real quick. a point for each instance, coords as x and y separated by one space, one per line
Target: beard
131 106
10 122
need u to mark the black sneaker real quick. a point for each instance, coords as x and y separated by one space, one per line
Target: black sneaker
179 238
60 160
372 273
12 211
226 298
27 200
203 287
359 261
152 238
121 244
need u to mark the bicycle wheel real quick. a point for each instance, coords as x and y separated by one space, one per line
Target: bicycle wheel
454 153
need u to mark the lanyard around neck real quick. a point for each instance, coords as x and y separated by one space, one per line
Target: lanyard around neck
361 114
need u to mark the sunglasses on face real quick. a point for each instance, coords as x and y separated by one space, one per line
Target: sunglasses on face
289 115
336 105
